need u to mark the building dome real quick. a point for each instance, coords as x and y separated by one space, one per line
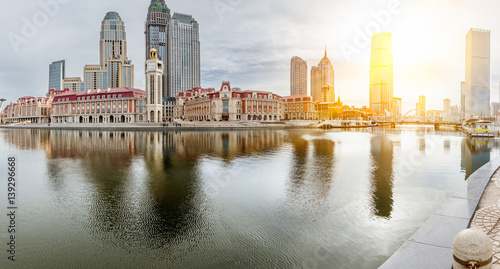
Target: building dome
158 6
112 16
153 53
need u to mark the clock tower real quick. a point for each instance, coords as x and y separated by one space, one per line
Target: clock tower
154 98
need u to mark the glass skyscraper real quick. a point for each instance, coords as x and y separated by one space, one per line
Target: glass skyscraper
477 73
183 60
113 53
381 73
115 70
57 75
157 33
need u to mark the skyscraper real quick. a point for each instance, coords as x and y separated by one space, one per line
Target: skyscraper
183 59
113 53
156 32
298 76
57 75
462 99
323 81
381 73
477 73
447 108
421 106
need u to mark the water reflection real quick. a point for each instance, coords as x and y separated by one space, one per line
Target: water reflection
382 175
476 153
313 164
283 194
155 204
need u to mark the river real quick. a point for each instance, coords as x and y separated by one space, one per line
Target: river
227 199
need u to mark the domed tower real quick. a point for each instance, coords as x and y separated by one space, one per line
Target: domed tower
154 85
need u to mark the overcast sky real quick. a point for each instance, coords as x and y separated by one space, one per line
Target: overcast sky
250 43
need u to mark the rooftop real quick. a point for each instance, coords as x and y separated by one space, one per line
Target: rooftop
112 16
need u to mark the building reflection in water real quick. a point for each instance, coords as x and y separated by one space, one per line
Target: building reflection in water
476 153
312 168
382 149
142 186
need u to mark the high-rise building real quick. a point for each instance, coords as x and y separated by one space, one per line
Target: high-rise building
323 81
421 106
447 108
477 73
57 75
381 73
298 76
462 99
95 77
156 32
183 59
113 52
495 106
396 106
154 86
74 83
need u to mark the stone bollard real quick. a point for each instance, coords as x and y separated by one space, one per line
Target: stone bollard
472 248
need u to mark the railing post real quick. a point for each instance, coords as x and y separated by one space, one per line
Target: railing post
472 249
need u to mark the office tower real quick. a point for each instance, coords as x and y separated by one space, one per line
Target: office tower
56 75
447 108
381 73
95 77
74 83
298 76
156 32
421 106
396 106
462 99
183 59
477 73
154 86
323 81
495 108
113 52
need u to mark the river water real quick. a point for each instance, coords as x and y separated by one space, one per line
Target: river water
227 199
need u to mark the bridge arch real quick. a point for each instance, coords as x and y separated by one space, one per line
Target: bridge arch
409 112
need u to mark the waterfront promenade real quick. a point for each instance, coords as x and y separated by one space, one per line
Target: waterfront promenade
487 216
431 246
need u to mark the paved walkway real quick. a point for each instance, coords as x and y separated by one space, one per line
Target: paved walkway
487 216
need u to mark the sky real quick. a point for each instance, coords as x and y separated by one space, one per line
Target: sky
250 43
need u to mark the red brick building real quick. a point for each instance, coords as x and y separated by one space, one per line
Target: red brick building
125 105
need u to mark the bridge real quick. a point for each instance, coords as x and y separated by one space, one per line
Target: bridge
389 121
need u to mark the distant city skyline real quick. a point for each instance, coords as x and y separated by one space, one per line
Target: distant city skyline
247 43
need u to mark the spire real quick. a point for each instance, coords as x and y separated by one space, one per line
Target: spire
325 50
